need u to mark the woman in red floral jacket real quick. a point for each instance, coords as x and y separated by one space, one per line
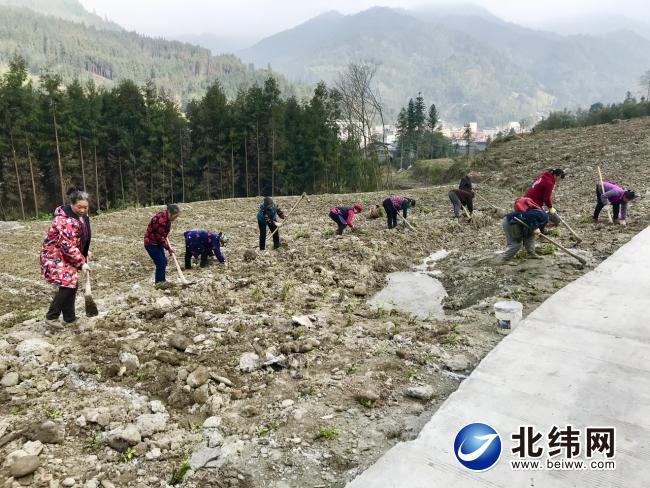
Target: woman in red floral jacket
63 253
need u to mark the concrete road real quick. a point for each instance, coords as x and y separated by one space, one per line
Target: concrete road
581 359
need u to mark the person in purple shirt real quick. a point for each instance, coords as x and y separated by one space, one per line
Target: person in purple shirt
203 244
617 196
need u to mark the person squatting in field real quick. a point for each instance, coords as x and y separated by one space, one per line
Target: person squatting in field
202 244
343 216
522 228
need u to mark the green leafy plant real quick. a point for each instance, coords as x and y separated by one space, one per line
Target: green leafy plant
352 368
179 473
284 292
309 392
328 432
298 333
127 455
93 442
410 373
52 413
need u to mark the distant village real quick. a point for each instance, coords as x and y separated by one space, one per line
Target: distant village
479 139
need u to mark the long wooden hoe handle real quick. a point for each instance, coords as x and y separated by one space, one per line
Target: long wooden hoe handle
602 188
289 213
178 267
556 244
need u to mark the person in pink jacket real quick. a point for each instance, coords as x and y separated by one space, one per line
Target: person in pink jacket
63 253
617 196
343 216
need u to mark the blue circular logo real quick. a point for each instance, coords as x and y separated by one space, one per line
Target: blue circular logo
477 447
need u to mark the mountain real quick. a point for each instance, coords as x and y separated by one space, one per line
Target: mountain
473 65
76 50
70 10
597 24
217 44
467 79
577 70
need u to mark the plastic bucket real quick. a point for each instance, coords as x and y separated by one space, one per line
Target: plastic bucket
508 315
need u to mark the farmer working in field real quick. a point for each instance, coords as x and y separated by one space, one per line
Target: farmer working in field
63 253
203 244
522 228
466 181
155 241
266 217
463 198
394 204
618 197
541 190
343 216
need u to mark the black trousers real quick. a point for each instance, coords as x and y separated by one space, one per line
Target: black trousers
276 236
391 213
188 258
335 218
63 302
616 207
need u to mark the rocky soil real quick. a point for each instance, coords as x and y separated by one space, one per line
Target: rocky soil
273 371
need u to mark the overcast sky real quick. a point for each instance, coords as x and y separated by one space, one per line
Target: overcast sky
255 19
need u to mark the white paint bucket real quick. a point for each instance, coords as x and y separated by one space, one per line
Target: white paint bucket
508 315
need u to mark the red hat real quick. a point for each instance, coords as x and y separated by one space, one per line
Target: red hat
358 207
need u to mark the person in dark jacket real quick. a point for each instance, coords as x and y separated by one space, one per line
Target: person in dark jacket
64 252
462 198
155 240
617 196
541 190
521 229
343 216
203 244
466 181
394 204
267 214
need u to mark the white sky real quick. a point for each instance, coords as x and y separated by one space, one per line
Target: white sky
255 19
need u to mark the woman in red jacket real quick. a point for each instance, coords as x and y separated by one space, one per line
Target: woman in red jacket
541 191
63 253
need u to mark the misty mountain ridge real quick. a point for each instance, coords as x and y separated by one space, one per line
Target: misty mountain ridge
71 10
472 64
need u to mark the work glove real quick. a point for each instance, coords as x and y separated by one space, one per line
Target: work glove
85 267
552 210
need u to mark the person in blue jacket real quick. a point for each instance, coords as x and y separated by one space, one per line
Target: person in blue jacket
522 228
203 244
267 215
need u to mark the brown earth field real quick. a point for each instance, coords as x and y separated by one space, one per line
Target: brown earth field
274 371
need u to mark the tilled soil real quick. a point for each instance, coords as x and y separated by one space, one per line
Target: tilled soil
273 371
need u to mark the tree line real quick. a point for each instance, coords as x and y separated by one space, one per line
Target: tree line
418 135
133 145
598 113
